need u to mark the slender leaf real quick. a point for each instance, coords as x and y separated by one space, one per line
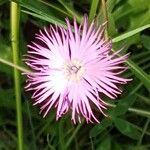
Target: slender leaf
105 144
39 10
122 106
129 34
56 7
100 127
44 17
146 41
127 128
69 7
143 76
93 9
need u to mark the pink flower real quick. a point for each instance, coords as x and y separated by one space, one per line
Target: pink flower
71 67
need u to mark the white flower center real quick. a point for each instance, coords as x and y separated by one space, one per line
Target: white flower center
74 70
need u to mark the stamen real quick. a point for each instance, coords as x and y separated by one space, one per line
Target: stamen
74 70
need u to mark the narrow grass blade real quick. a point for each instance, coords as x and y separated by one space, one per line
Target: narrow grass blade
45 17
40 10
129 34
57 8
71 10
142 75
93 9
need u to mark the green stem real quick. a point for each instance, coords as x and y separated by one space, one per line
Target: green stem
50 146
134 110
15 17
32 127
15 66
73 135
143 132
143 98
92 145
92 13
61 135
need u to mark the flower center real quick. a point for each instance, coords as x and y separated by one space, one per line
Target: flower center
74 70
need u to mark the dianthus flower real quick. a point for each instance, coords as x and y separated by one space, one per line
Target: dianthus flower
71 67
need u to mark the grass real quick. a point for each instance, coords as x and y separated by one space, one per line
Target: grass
128 124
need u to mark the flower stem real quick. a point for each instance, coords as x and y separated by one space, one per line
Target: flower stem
15 17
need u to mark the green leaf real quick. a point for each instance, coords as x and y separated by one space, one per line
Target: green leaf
7 98
93 9
5 53
140 147
139 72
127 128
111 25
142 75
42 11
111 21
145 41
100 127
105 144
122 106
110 5
3 1
56 7
131 14
141 14
130 33
44 17
122 11
116 146
69 7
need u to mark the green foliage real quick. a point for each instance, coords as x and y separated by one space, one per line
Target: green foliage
105 144
131 33
41 11
100 127
122 106
145 41
5 53
68 5
126 126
